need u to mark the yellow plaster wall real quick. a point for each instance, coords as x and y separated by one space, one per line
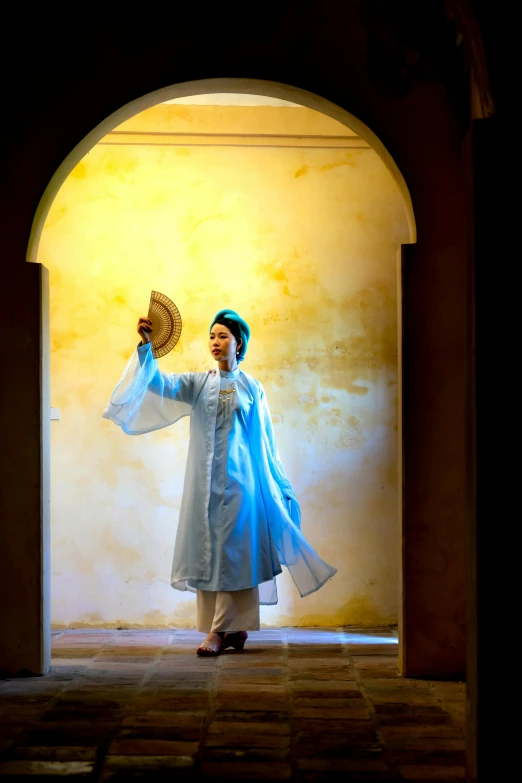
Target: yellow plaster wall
303 242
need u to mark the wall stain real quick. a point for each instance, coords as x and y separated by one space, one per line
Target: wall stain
330 166
304 169
354 388
122 554
359 611
392 475
286 292
301 171
272 271
307 401
79 171
199 223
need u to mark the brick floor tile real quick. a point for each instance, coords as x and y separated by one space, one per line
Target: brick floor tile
173 686
315 660
378 674
52 753
326 703
401 696
315 727
72 653
16 725
369 650
368 766
419 730
321 675
80 662
405 719
245 753
177 733
316 650
253 689
164 718
265 735
324 686
430 772
254 716
180 675
27 689
231 702
147 768
431 744
152 747
45 768
400 682
225 680
449 690
253 671
428 757
333 746
191 703
333 713
238 770
375 661
123 667
71 733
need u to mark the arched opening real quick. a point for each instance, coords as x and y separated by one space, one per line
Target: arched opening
306 398
212 86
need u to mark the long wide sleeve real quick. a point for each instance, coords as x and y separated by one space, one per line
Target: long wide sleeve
274 462
147 399
307 569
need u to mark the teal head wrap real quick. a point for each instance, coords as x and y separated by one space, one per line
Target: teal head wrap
237 325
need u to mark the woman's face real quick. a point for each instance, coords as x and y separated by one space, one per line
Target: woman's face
222 343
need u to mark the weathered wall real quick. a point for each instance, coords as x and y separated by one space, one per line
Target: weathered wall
303 242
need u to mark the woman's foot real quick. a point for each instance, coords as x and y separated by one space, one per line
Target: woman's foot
236 640
213 645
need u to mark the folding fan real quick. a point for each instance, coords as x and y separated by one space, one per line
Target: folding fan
166 324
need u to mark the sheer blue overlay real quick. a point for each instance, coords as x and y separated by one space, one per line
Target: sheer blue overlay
239 520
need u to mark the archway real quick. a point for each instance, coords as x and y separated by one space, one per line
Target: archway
212 87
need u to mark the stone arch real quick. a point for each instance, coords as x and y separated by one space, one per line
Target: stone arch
226 85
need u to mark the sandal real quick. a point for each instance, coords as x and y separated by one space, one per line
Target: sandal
207 649
236 640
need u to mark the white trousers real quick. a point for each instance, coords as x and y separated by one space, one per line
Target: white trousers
228 611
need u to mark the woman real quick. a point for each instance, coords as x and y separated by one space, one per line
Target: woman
239 519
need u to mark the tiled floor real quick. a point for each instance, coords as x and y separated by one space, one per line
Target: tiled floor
297 704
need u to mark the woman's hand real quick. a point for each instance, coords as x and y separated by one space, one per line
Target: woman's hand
144 327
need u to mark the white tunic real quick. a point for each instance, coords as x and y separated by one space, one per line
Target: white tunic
240 539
